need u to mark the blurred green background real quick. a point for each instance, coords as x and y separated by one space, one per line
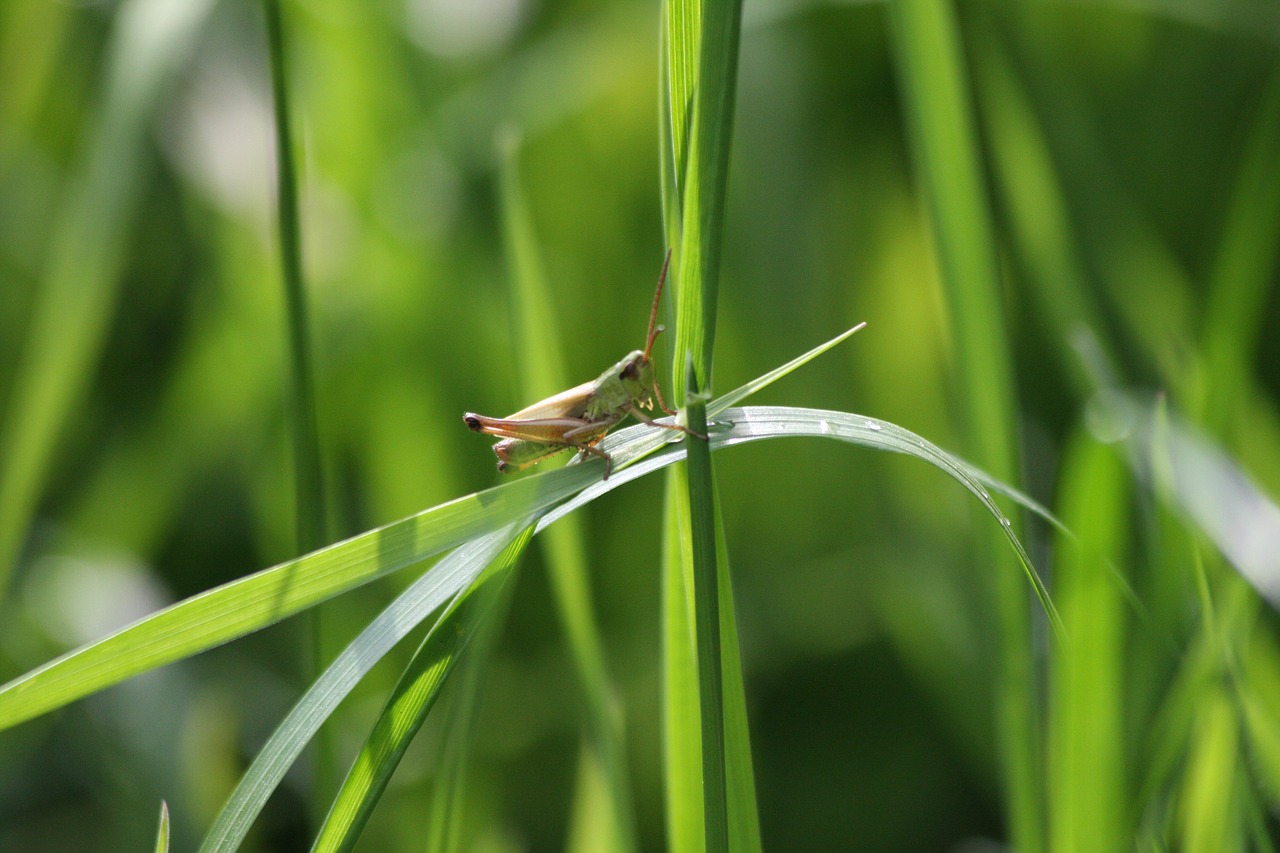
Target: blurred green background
1132 156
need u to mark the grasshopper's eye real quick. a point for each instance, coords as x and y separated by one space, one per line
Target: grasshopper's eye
631 371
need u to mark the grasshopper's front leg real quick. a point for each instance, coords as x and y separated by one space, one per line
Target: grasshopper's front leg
648 421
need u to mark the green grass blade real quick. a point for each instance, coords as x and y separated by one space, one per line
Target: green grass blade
416 603
634 455
80 284
682 26
1040 220
1210 798
1088 774
308 471
707 571
162 830
740 393
1240 281
706 178
681 729
701 98
414 696
945 144
540 369
444 829
253 602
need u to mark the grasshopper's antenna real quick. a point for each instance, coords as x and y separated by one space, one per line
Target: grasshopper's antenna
653 314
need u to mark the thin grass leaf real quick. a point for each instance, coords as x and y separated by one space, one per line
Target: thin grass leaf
261 599
1209 804
416 603
1087 751
162 830
706 570
1241 279
706 179
682 26
258 600
444 829
1040 218
944 139
540 369
681 730
413 698
740 393
701 159
308 470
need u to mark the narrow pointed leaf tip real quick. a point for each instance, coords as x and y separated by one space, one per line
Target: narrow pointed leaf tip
741 393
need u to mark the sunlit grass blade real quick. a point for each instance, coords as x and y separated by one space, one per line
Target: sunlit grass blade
308 470
413 698
701 97
1040 219
261 599
706 571
633 450
162 830
78 292
681 729
1088 772
264 598
407 611
1209 815
945 147
740 393
539 367
445 826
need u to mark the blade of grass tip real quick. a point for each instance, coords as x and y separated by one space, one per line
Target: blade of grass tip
406 612
742 392
162 830
681 21
706 619
78 290
540 368
634 455
413 698
944 142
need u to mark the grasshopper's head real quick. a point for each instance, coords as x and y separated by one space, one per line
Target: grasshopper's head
635 372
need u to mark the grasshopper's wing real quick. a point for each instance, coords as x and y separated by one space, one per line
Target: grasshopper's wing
566 404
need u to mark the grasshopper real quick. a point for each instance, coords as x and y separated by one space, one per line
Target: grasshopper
579 418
